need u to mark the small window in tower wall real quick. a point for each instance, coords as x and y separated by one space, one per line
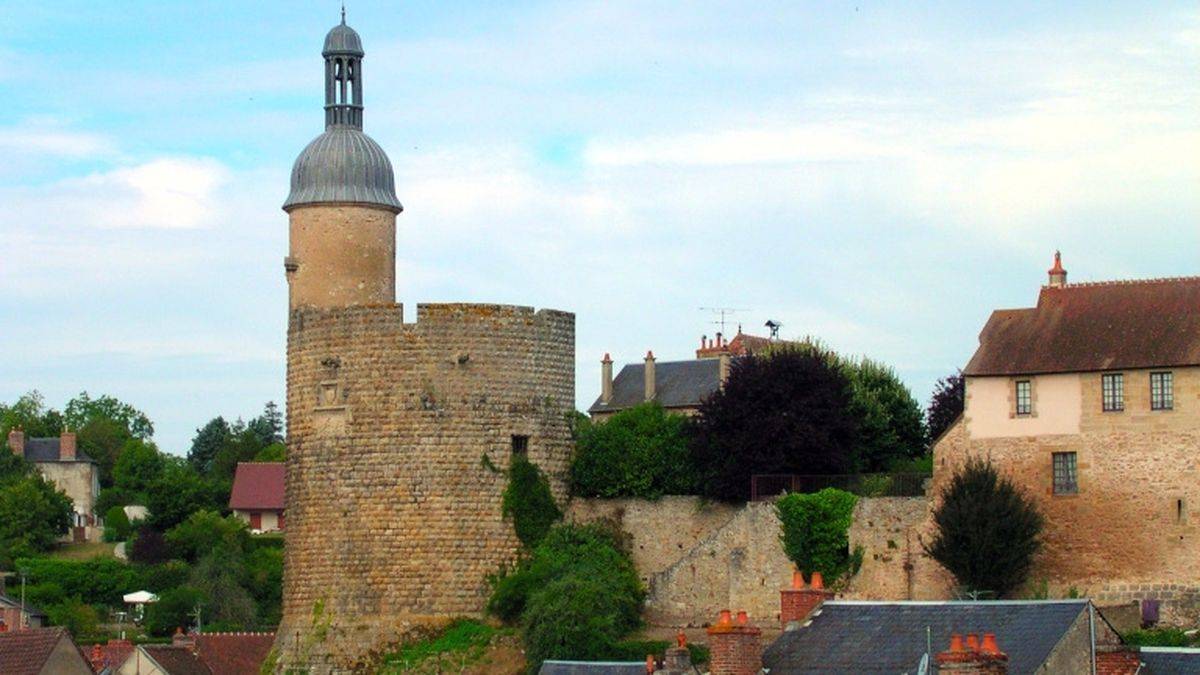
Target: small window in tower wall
520 445
1162 391
1112 388
1066 479
1024 397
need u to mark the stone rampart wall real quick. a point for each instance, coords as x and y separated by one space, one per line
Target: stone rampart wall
396 432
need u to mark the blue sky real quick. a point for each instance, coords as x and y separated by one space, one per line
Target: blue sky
878 175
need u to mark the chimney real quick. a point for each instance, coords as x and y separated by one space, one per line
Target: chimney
606 379
650 380
181 639
678 660
797 604
16 441
723 362
66 446
735 648
1058 276
974 657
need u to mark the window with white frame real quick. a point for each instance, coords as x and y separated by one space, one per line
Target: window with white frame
1024 396
1112 388
1162 391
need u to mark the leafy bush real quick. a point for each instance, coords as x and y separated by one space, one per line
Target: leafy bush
528 502
987 531
786 412
116 524
99 581
1159 637
205 531
638 452
815 530
33 515
576 595
149 547
173 610
464 639
78 617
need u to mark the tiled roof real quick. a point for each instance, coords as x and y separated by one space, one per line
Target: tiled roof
15 602
678 384
1170 661
110 655
177 660
48 449
258 485
742 344
1091 327
24 652
890 637
592 668
234 653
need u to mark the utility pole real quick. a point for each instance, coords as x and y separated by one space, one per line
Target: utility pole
24 616
196 614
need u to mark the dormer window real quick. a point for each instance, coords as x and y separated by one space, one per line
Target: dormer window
1112 390
1162 391
1024 394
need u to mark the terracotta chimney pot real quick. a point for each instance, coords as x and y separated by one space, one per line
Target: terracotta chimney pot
724 618
973 642
956 642
797 579
743 618
989 644
817 581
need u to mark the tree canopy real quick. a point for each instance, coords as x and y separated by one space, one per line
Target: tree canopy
639 452
787 412
947 403
891 426
987 531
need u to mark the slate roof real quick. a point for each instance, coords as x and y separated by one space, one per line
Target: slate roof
234 653
1095 326
48 449
593 668
177 660
889 637
677 384
1170 660
25 652
16 602
258 486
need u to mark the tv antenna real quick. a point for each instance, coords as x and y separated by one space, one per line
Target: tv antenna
723 313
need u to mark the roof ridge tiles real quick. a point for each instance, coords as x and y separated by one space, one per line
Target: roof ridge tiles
1123 282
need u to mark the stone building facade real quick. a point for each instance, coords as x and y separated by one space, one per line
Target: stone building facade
398 433
71 471
1091 403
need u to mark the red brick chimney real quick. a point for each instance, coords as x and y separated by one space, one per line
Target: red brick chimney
984 659
734 647
1058 275
182 639
66 446
798 603
16 441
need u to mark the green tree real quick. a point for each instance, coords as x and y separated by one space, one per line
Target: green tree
30 414
206 531
268 426
275 452
138 466
226 602
264 577
78 617
638 452
528 502
33 515
891 425
116 524
83 409
814 530
786 412
102 439
987 532
180 492
946 405
243 445
207 443
173 610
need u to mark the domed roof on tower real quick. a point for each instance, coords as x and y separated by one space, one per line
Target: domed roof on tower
343 165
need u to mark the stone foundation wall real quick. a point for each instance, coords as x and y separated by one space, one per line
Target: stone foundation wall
398 434
889 530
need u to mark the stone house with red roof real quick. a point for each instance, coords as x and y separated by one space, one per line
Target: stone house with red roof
41 651
258 495
1090 401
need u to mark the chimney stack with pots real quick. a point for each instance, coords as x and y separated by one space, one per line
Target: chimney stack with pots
606 379
973 657
66 446
678 660
798 603
1058 275
735 647
16 441
649 372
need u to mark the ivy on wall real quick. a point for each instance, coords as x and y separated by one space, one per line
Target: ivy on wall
528 503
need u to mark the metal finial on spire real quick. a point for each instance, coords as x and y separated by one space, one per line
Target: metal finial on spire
343 13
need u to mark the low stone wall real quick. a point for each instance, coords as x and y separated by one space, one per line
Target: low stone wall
889 530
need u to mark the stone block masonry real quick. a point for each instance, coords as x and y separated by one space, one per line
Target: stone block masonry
398 434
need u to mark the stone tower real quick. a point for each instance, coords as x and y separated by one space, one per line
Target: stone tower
398 433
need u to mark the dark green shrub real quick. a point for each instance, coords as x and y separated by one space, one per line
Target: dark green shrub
891 425
638 452
44 594
173 610
205 531
987 531
1158 637
168 575
528 502
149 547
575 618
815 530
116 524
78 617
99 581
